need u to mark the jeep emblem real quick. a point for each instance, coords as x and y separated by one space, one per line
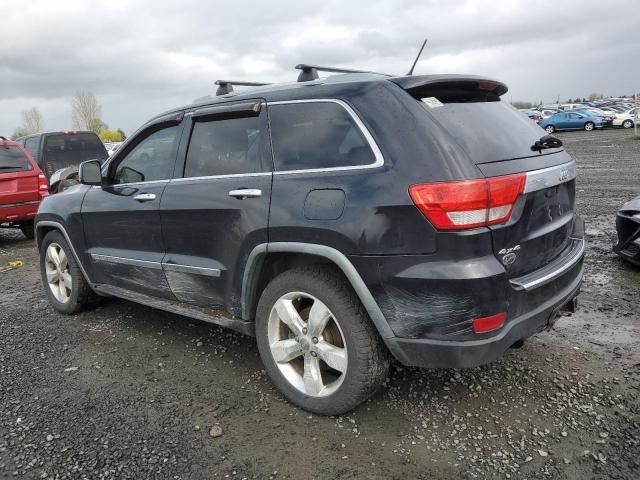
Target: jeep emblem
509 258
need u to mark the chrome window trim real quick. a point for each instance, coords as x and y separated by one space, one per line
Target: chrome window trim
379 159
133 184
550 177
229 175
126 261
175 267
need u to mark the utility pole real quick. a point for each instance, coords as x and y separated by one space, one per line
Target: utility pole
635 124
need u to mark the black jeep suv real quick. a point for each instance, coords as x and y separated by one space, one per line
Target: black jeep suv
339 220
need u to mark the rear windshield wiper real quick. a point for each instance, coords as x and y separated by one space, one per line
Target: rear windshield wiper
546 142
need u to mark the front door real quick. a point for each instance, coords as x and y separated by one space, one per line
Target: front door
217 209
121 219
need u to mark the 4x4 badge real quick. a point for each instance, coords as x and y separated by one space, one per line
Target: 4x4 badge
509 255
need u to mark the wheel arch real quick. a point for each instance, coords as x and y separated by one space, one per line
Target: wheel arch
43 227
258 263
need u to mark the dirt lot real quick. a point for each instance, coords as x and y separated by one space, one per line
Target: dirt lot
130 392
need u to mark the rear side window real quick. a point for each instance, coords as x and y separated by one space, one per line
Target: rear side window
13 160
224 147
70 149
313 135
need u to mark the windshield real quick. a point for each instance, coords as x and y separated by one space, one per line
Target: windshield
63 150
489 131
13 160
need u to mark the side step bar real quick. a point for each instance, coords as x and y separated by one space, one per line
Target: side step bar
208 315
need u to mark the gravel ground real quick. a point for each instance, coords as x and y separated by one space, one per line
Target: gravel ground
126 391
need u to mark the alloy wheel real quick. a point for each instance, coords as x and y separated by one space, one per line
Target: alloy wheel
57 271
307 344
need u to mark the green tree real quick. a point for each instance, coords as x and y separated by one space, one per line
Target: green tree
522 105
107 135
595 96
122 134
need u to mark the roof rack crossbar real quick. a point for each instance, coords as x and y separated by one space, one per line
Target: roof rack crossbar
226 86
310 72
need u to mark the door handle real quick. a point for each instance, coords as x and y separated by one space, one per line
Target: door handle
145 197
245 193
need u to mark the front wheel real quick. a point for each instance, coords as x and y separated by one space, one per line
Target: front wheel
550 129
627 124
317 342
64 284
589 126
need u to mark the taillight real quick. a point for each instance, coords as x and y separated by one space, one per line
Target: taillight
468 203
43 186
487 324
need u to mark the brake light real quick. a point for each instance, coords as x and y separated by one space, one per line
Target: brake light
43 186
70 132
468 203
487 324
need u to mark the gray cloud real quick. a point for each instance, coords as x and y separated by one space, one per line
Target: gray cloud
141 57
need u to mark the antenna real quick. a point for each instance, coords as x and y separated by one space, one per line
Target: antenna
416 60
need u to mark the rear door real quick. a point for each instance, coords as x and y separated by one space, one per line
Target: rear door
217 209
18 178
122 219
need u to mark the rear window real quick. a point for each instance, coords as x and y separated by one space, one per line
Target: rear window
488 131
13 160
69 149
316 135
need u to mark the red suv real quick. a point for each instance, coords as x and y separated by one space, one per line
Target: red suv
22 186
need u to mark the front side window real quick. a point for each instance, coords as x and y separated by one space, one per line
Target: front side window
224 147
151 159
316 135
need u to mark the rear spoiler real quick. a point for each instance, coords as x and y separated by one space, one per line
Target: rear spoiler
430 85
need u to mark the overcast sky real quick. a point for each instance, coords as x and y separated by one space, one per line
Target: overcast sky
143 57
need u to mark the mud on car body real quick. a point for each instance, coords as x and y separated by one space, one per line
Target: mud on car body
340 221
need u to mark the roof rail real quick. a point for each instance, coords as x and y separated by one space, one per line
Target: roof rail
226 86
310 72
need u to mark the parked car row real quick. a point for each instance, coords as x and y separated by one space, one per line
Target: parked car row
585 117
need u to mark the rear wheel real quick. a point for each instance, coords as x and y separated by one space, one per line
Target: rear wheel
627 124
589 126
63 282
27 229
317 342
550 129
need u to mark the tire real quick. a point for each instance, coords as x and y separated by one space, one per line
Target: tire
66 183
27 229
77 295
627 124
357 351
550 129
589 126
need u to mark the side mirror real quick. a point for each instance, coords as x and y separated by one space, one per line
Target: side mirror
90 173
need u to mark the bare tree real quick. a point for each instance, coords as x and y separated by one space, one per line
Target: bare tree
86 112
32 121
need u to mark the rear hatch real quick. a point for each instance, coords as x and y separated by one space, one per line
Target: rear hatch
18 178
499 140
67 149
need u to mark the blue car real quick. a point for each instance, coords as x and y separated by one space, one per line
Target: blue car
572 121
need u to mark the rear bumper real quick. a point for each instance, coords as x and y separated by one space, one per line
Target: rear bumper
628 228
430 304
18 212
452 354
